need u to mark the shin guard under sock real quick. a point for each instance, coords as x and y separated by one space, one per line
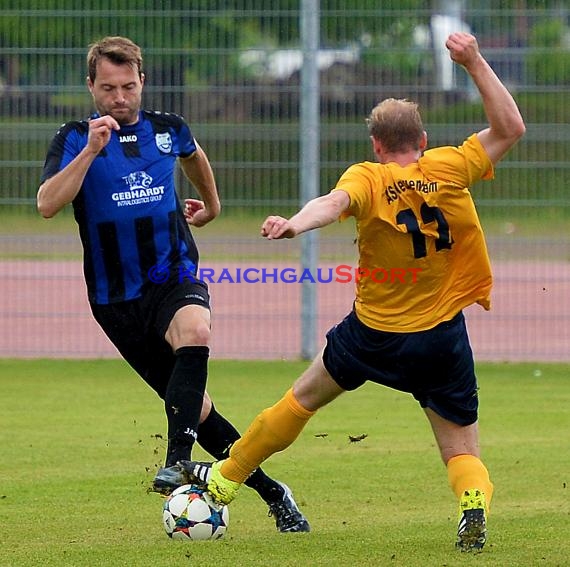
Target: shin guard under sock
466 472
183 400
273 430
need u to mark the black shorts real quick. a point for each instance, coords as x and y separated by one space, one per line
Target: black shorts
435 366
137 327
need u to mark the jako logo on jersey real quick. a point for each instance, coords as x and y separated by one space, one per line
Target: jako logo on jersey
129 138
163 142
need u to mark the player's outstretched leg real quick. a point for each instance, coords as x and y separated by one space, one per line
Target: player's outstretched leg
216 435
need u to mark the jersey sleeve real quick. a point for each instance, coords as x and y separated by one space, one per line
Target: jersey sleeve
64 148
358 182
463 165
186 141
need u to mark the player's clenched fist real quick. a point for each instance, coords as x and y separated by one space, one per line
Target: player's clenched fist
276 227
463 48
100 132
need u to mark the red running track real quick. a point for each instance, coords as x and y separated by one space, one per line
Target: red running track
45 314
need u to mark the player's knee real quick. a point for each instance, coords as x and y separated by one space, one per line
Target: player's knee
197 335
188 332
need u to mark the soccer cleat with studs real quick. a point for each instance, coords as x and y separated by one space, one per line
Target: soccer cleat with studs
198 472
207 474
288 517
168 479
472 528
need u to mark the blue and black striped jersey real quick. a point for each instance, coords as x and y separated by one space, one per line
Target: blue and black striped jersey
129 214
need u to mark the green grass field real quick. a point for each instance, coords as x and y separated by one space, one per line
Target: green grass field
81 441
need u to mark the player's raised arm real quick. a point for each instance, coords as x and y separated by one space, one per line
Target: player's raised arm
506 125
317 213
62 188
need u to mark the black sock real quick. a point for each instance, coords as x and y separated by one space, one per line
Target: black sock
183 400
216 435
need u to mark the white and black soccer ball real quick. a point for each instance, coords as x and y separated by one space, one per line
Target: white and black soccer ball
190 513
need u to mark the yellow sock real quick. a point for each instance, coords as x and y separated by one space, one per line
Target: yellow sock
273 430
466 472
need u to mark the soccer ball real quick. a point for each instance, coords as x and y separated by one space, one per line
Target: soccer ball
190 513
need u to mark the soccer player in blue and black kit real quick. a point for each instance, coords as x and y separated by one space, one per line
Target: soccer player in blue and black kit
140 259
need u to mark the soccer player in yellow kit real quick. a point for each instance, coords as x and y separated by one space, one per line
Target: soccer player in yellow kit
414 215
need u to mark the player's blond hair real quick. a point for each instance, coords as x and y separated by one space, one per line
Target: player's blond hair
119 50
397 124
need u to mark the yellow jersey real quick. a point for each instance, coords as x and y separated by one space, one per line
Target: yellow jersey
422 252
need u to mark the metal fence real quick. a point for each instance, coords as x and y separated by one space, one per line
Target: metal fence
234 70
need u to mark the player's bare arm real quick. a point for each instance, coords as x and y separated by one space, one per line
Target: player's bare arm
506 125
199 172
59 190
317 213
